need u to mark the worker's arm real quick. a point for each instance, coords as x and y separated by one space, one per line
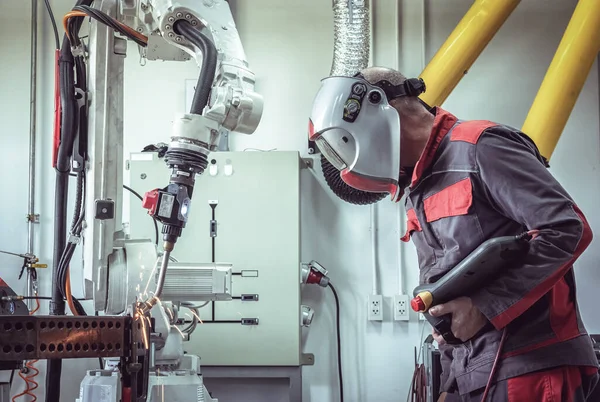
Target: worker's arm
520 187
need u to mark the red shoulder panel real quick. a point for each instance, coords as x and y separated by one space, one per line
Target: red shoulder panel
470 131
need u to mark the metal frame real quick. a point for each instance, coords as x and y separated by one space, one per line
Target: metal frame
292 373
105 150
564 79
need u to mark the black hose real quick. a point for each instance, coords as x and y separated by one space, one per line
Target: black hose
209 63
344 191
57 305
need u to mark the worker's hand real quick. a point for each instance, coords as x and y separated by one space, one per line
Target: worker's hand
442 397
438 337
467 320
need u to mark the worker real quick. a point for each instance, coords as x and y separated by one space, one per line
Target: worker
465 182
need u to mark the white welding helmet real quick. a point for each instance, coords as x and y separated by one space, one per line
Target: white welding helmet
358 131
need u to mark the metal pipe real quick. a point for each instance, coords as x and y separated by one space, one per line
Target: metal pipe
463 46
160 282
565 77
31 216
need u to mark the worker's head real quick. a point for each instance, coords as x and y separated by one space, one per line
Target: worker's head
367 126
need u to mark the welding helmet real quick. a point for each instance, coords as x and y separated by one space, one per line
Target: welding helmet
358 131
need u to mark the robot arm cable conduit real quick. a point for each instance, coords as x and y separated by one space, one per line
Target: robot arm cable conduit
186 157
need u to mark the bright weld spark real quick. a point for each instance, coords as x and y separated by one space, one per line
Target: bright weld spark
150 277
178 330
197 316
142 318
145 340
146 333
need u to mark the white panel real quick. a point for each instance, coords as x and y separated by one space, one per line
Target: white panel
258 230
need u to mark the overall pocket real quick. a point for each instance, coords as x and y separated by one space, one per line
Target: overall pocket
414 231
449 212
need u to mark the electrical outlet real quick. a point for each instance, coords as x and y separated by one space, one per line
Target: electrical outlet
375 308
401 308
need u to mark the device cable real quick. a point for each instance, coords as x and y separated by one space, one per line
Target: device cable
495 366
339 342
418 386
53 21
86 11
132 191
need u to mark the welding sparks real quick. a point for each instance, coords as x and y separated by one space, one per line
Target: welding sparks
178 330
140 316
196 315
168 310
150 277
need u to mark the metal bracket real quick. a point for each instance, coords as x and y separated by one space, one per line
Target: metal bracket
307 359
35 218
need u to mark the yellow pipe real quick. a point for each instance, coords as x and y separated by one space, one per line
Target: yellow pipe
565 77
463 46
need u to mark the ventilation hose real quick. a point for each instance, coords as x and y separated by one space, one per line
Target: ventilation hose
351 50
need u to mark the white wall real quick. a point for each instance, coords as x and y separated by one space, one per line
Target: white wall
290 49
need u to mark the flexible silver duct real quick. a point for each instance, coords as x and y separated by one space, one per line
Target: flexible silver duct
352 36
351 51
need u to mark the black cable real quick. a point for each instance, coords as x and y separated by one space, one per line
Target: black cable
78 200
222 322
51 15
78 307
339 343
209 63
213 207
132 191
12 377
108 21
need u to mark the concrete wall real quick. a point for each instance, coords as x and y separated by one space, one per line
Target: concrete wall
289 46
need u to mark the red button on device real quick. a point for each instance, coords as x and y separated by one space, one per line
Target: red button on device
150 201
417 304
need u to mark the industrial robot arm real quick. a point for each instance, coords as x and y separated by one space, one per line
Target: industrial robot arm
120 272
224 101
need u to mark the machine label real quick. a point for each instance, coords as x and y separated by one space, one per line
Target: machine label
166 205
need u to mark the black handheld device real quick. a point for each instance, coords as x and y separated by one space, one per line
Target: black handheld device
482 265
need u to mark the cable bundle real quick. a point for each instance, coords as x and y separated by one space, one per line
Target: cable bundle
87 11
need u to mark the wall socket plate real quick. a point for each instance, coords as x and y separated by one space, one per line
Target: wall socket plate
401 307
375 308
